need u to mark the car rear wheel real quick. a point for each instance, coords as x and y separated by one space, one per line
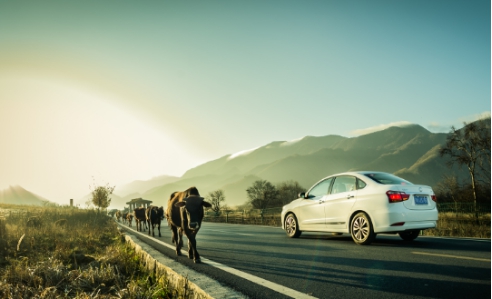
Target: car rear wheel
291 227
361 229
409 235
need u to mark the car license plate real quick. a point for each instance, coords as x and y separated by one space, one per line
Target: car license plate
420 200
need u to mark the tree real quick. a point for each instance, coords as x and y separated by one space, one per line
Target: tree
262 194
470 147
216 198
288 191
100 195
449 189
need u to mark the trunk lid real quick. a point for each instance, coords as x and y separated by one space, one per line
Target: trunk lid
420 197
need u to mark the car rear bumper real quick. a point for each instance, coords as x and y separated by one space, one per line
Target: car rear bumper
418 225
405 220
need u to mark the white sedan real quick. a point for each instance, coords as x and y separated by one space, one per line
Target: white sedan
362 204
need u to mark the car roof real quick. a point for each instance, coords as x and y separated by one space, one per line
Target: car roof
353 173
362 172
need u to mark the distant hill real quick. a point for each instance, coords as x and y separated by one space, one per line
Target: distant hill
20 196
143 186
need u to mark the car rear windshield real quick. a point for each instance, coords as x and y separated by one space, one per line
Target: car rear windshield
387 179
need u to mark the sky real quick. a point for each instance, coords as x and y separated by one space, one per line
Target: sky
108 92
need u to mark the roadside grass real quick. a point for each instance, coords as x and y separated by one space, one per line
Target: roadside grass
461 225
64 252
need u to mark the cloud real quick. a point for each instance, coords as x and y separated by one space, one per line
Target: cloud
287 143
381 127
242 153
437 127
474 117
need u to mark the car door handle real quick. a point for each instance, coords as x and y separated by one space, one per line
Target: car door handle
350 196
321 201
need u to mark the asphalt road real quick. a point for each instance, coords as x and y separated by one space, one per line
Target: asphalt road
262 262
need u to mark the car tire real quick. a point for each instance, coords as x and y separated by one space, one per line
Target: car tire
409 235
361 229
291 226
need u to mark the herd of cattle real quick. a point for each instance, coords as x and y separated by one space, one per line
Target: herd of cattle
184 214
145 218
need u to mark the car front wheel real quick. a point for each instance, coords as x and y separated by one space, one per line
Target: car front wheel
291 226
409 235
361 229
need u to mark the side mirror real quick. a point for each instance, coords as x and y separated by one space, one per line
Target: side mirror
302 195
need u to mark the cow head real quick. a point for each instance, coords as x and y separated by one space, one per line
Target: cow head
192 191
160 212
192 211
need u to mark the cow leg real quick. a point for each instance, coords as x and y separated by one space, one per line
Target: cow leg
174 237
191 248
174 231
180 236
159 228
192 251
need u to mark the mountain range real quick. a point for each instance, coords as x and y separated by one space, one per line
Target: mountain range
411 152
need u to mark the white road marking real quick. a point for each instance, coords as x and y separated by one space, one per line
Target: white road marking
453 256
263 282
228 232
255 279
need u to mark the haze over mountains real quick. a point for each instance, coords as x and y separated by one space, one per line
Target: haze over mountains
411 152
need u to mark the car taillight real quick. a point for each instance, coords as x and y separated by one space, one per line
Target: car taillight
434 198
397 196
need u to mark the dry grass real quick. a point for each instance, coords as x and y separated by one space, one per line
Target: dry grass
461 225
69 253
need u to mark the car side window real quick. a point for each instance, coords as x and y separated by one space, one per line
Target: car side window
321 188
360 184
343 183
